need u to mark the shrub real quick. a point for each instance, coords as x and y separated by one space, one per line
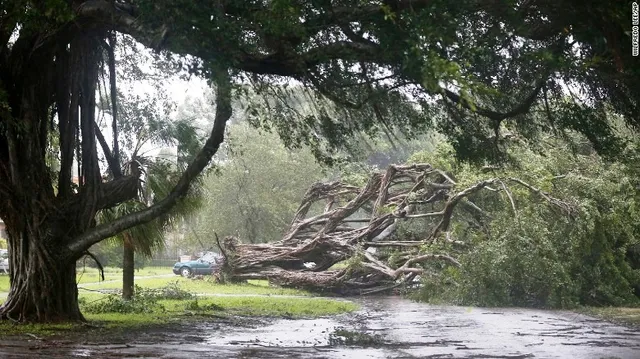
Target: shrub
144 300
542 258
171 290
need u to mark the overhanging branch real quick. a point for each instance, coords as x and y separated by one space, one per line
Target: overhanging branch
223 113
521 108
123 19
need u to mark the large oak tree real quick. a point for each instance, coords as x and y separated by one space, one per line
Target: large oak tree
374 65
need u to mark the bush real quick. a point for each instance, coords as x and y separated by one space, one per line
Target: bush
171 290
515 271
144 300
544 258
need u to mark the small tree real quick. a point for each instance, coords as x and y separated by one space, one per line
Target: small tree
151 126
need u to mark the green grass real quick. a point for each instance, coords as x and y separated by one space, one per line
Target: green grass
243 305
149 271
191 309
84 278
200 307
4 283
37 330
203 286
129 320
622 315
107 321
210 287
264 306
226 307
92 275
113 276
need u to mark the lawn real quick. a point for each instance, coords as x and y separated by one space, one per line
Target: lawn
92 275
4 283
177 311
208 299
201 286
89 281
227 307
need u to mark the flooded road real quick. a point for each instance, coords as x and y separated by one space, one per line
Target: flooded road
387 327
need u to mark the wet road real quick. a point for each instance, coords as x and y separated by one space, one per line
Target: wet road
387 327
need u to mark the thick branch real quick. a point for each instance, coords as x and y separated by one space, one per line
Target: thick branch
291 64
451 204
122 17
117 191
521 108
114 165
223 113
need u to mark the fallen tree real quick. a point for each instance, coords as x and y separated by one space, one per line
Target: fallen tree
339 222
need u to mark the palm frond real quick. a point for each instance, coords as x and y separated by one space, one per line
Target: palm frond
143 118
160 178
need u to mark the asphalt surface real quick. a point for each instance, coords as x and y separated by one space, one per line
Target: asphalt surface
386 327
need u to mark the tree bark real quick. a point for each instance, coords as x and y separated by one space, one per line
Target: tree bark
43 281
49 231
52 82
128 267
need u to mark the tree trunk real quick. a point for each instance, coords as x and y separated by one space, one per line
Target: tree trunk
48 82
43 282
128 267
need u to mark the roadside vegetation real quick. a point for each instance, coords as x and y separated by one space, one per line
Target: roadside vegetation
514 249
620 315
169 300
519 252
202 286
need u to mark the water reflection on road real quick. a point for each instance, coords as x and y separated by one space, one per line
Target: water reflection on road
417 330
398 328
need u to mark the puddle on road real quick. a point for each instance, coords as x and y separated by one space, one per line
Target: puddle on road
386 327
281 333
409 329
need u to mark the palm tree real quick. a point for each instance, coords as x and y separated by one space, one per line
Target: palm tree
144 118
145 239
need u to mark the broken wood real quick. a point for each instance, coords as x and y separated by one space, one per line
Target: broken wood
338 222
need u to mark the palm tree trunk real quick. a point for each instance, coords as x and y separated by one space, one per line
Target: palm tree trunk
128 267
